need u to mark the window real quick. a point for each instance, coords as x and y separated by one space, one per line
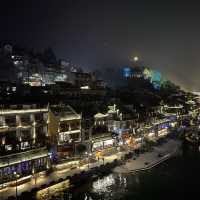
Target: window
75 136
25 120
10 137
25 135
63 137
39 117
64 127
1 121
25 145
10 121
98 145
8 147
75 125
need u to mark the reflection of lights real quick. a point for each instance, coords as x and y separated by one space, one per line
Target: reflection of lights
102 185
122 180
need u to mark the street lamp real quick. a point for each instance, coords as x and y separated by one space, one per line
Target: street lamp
34 175
16 176
103 160
86 153
89 155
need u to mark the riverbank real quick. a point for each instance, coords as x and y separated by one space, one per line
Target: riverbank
46 180
121 162
148 160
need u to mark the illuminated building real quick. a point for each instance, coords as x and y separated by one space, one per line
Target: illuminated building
158 129
34 80
133 72
64 126
100 84
23 137
127 72
140 72
173 109
50 76
102 139
111 128
7 88
81 78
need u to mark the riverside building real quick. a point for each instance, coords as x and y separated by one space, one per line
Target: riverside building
23 137
64 126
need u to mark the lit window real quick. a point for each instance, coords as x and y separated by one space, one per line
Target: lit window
14 89
24 145
8 147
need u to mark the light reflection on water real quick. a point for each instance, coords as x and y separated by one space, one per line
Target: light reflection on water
109 187
106 188
113 186
103 185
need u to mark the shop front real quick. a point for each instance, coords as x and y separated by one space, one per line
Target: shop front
163 129
138 142
65 150
123 136
24 164
103 147
102 144
150 133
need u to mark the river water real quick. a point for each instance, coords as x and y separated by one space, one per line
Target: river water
176 178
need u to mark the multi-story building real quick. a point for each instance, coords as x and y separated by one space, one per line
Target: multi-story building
7 88
64 126
23 137
100 84
104 126
81 79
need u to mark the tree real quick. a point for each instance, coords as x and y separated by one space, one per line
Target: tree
7 69
48 56
81 148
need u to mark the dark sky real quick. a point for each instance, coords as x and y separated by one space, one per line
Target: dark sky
99 33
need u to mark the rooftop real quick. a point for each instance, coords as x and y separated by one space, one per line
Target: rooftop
21 111
65 112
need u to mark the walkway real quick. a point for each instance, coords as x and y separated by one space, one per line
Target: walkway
150 159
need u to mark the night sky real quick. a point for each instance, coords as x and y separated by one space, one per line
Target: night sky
101 33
